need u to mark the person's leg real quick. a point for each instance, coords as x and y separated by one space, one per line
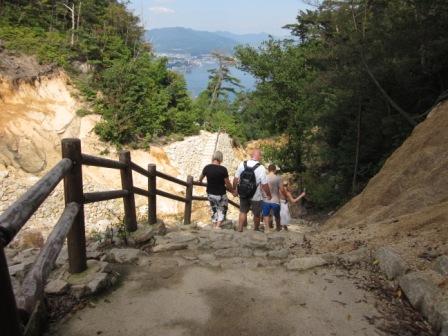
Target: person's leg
265 210
276 215
221 210
244 209
256 210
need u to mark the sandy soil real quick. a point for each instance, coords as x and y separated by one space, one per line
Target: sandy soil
165 299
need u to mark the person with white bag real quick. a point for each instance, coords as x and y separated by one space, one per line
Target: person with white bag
285 197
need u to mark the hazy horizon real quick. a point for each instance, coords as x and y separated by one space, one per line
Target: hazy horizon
238 17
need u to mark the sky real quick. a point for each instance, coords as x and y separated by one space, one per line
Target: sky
236 16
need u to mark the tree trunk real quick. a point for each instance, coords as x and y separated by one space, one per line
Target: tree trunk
358 145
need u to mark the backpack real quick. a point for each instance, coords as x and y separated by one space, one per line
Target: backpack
248 183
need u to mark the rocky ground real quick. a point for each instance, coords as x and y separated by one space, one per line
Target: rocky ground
190 280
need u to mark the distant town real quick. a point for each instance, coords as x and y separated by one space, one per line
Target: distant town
182 62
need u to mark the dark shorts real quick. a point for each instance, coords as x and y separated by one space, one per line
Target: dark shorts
247 204
267 207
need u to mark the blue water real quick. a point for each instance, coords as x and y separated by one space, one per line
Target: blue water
197 78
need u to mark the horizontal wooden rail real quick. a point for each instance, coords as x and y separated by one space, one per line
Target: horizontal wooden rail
13 219
138 169
100 196
170 196
96 161
236 205
199 184
171 178
200 198
204 198
141 192
33 285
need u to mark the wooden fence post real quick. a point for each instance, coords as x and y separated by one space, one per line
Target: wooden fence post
73 191
189 202
8 306
152 199
130 217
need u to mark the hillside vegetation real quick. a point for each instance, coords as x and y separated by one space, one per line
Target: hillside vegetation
362 76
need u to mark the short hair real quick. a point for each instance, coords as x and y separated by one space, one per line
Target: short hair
272 168
217 156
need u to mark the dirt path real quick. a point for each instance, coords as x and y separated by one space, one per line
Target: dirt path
164 299
227 283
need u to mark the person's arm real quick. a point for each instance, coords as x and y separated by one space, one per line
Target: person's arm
236 179
229 186
302 195
267 191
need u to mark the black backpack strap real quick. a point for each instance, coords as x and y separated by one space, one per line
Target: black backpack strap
245 165
256 166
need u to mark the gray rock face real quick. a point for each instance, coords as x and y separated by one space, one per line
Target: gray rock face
305 263
254 239
234 252
441 265
391 263
279 254
181 237
124 256
57 287
440 319
223 244
420 291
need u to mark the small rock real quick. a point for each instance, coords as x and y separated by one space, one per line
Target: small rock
260 253
420 291
356 256
254 239
57 287
223 244
19 270
124 256
79 291
98 283
234 252
94 255
144 235
441 265
181 237
305 263
391 263
169 247
279 254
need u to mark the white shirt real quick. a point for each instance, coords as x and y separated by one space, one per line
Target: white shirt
260 177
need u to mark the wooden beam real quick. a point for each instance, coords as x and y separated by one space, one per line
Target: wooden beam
33 285
138 169
171 178
73 192
189 200
8 308
13 219
152 192
130 216
170 196
100 196
141 192
90 160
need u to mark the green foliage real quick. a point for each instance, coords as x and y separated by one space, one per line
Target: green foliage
362 74
137 96
142 100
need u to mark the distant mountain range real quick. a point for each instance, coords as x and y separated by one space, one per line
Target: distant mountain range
188 41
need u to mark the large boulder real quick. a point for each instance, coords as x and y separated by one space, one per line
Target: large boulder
124 256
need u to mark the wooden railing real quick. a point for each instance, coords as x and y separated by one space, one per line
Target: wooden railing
15 312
